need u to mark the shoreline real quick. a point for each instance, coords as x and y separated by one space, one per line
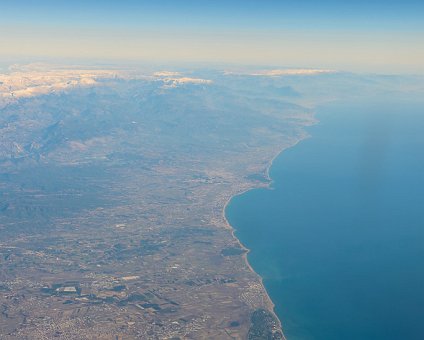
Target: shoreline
269 303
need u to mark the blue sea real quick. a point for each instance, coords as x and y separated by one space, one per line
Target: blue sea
339 237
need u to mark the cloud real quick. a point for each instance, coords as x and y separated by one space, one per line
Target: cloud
282 72
23 81
166 74
38 79
173 79
174 82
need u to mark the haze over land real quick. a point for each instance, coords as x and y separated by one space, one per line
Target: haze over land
114 183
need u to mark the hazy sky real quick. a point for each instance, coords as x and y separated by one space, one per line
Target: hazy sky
380 36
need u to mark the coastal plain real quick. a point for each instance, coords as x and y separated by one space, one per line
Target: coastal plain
113 189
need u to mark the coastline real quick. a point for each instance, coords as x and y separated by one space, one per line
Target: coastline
268 185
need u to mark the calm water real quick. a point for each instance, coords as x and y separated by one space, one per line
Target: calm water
340 239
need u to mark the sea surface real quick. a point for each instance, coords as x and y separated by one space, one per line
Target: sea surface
339 237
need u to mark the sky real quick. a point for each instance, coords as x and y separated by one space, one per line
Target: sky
369 36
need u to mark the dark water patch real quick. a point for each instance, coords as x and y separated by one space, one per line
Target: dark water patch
232 251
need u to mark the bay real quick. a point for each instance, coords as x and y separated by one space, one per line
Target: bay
339 237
